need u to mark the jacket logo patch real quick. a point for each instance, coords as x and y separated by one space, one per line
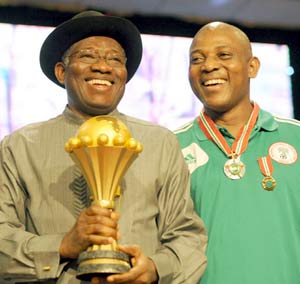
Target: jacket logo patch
283 153
194 156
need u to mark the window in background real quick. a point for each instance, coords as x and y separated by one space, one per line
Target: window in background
159 91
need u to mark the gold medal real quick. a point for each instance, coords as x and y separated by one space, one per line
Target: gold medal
268 183
234 168
266 167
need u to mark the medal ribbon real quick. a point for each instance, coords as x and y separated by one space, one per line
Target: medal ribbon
240 143
265 165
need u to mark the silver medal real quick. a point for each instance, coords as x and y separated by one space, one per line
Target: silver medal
234 168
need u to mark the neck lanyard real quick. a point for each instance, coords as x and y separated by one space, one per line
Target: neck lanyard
233 168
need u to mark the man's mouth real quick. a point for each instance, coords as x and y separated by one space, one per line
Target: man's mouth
213 82
99 82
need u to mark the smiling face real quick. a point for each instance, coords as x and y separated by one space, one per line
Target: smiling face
221 65
94 87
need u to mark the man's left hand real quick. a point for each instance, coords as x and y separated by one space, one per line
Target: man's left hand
143 270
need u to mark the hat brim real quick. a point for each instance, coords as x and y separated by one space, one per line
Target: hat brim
76 29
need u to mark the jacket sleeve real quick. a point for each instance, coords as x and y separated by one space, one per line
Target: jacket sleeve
24 255
183 234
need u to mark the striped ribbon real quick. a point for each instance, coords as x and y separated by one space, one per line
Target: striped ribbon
266 167
240 143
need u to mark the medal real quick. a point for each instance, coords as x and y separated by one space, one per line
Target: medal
268 183
234 168
266 167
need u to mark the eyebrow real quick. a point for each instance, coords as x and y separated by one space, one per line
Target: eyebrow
217 47
110 50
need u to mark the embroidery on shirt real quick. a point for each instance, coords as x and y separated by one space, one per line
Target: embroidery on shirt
81 192
283 153
194 156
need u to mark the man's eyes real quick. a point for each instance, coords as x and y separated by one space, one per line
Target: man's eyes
225 55
197 59
87 55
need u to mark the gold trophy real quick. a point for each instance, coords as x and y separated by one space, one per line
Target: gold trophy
103 149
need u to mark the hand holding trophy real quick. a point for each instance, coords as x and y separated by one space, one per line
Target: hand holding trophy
103 149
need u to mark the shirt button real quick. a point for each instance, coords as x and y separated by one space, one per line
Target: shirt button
47 268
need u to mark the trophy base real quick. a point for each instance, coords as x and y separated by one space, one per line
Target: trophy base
101 263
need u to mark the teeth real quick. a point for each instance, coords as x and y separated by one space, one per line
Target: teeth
99 82
214 82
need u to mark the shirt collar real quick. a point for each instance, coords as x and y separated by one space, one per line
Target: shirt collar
265 122
77 119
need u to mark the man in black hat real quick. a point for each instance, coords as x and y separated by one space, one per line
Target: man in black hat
46 219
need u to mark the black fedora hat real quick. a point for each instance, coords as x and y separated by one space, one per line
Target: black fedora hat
86 24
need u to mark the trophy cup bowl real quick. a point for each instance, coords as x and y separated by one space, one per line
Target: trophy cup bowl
103 149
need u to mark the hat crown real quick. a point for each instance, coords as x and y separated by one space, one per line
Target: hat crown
86 24
89 13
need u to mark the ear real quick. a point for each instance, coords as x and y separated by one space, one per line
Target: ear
253 67
59 71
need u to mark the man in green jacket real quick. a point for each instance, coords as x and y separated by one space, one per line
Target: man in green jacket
244 165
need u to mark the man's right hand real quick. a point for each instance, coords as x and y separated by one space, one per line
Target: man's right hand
95 225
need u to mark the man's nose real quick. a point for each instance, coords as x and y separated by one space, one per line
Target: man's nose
102 64
210 64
